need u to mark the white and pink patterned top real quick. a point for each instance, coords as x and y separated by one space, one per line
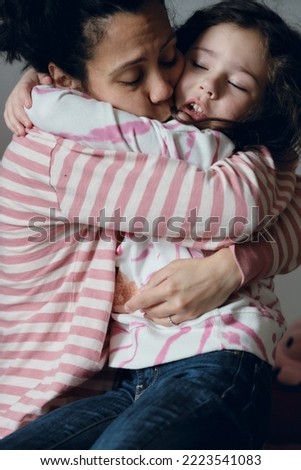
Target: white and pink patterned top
57 267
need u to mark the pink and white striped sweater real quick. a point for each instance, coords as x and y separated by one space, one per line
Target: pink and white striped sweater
57 268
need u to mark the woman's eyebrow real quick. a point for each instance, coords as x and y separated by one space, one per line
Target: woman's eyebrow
138 60
128 64
170 38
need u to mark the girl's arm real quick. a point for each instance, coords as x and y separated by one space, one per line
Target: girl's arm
14 114
234 197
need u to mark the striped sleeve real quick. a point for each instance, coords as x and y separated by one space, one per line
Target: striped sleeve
169 198
276 250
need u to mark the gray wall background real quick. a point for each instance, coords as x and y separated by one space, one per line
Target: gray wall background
288 286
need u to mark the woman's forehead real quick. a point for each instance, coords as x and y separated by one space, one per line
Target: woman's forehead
142 28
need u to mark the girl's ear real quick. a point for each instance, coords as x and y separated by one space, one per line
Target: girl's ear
61 79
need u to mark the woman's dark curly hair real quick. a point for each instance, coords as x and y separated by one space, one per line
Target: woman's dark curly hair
64 32
277 123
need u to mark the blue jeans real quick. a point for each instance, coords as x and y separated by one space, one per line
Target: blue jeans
219 400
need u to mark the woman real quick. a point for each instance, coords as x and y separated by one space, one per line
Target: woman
83 280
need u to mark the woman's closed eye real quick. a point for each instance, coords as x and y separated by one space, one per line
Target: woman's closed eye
131 81
170 55
169 63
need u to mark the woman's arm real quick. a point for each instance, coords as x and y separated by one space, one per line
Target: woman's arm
276 250
188 288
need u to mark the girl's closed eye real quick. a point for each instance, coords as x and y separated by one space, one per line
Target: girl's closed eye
199 65
238 86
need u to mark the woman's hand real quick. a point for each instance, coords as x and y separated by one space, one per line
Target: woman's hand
187 288
14 115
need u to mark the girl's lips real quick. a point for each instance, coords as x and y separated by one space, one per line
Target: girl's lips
194 111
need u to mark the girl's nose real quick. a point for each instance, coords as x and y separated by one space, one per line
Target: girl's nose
209 87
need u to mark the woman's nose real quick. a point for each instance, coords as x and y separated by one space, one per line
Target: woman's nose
160 89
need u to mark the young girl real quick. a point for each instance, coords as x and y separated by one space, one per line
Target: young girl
206 374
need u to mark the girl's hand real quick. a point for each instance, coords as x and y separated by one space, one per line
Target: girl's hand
14 115
185 289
